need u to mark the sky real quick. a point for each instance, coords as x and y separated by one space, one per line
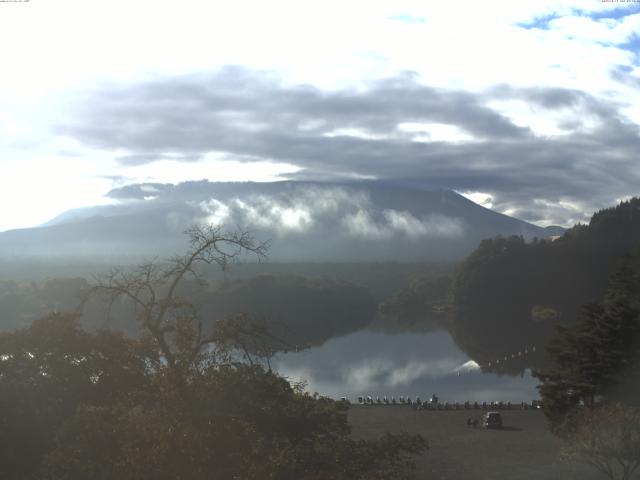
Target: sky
531 108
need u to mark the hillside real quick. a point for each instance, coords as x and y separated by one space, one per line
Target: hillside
306 221
508 295
298 310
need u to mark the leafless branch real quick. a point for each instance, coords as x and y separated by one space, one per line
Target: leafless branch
152 287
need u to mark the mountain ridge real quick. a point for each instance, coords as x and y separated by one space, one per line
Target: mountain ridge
318 221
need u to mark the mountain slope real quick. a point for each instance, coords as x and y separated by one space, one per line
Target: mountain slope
306 221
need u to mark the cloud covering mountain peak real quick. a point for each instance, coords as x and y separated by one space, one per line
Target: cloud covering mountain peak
313 209
305 221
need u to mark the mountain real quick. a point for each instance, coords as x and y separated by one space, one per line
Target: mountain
305 221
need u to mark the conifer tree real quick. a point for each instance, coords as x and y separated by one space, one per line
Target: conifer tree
597 359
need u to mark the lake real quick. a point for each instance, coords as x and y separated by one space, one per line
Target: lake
407 364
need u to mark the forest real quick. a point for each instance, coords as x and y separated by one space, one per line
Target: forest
181 400
507 295
510 294
154 371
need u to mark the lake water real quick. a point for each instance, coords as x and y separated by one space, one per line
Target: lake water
408 364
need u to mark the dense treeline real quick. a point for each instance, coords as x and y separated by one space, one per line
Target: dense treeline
424 306
300 310
591 394
509 293
597 360
22 302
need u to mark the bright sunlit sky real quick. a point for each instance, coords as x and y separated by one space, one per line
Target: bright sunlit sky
531 108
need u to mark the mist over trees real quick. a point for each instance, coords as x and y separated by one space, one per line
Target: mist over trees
505 297
305 311
175 403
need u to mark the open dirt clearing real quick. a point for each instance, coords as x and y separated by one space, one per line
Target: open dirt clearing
523 449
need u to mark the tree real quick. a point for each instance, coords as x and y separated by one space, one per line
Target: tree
299 311
608 439
597 359
500 283
170 320
47 371
203 414
424 305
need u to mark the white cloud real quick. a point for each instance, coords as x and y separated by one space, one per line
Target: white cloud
148 189
214 166
412 371
354 132
262 211
55 49
545 122
436 132
481 198
588 30
380 372
344 210
361 224
216 212
431 226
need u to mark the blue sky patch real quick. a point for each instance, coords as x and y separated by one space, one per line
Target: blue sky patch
406 18
633 45
541 23
619 10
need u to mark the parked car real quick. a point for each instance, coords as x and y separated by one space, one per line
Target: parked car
492 420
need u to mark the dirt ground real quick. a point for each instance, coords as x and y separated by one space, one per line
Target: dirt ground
522 449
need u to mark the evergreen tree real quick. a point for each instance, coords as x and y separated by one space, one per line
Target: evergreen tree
596 360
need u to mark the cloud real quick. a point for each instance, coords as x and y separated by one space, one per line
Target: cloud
315 209
368 363
161 106
626 76
431 226
217 213
581 159
386 373
362 224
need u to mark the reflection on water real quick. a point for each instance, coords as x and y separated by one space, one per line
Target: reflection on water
378 364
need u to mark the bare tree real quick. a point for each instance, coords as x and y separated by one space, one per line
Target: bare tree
608 439
252 337
153 288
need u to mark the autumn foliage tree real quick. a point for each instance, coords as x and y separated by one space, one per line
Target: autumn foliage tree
49 370
608 439
177 403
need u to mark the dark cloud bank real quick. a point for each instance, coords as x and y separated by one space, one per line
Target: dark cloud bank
250 115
